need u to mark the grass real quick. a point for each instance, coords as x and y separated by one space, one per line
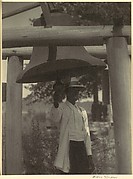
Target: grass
40 144
39 159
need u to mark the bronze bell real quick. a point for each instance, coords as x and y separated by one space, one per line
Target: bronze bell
53 62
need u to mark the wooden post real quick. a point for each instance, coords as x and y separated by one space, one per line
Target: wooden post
105 87
95 89
120 78
106 96
13 118
46 14
95 106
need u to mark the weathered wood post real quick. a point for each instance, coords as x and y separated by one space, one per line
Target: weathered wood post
120 78
105 87
95 88
95 109
106 95
13 118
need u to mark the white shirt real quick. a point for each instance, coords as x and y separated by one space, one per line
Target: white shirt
76 125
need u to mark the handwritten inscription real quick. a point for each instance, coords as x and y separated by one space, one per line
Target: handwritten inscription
104 177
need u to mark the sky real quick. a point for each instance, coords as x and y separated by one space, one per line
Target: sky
19 20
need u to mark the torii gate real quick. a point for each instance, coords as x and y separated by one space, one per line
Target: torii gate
120 77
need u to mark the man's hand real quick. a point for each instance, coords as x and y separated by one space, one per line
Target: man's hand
56 99
59 93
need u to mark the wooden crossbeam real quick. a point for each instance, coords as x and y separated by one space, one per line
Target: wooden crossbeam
60 35
20 10
25 52
100 51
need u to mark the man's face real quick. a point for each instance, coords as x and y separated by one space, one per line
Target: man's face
73 95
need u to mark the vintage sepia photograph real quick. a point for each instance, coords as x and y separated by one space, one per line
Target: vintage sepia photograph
66 88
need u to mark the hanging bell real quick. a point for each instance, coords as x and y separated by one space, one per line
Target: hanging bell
54 62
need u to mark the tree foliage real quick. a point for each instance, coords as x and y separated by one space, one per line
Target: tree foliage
97 13
85 13
40 91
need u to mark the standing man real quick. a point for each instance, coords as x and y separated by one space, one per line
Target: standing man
74 152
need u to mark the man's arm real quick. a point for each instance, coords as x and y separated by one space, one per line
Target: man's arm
57 108
88 143
56 113
87 135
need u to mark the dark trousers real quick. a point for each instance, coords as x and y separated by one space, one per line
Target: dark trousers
79 163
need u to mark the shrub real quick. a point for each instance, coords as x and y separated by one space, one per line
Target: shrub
40 149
